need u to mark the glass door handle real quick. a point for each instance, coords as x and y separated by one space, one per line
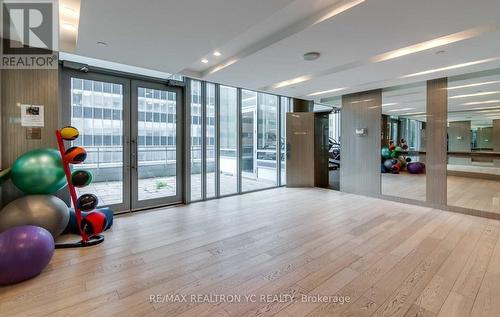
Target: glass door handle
133 154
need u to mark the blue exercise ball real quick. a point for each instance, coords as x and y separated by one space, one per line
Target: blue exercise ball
24 252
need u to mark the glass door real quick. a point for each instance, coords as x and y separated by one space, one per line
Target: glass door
98 108
132 132
156 153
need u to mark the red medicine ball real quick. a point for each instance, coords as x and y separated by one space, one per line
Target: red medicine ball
94 223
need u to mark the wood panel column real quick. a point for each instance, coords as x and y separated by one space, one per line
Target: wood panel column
360 154
436 158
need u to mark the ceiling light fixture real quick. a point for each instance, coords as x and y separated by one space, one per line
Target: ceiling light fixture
436 70
423 46
400 109
337 11
204 61
475 95
222 66
293 81
217 53
474 85
325 92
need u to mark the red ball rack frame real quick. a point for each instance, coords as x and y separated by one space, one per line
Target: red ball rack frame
86 241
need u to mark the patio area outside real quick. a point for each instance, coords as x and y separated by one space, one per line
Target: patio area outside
111 192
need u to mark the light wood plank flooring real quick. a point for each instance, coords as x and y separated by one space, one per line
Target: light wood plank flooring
382 258
466 192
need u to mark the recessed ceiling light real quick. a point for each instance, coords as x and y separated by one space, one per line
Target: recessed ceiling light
102 44
476 94
311 56
217 53
474 85
204 61
325 92
436 70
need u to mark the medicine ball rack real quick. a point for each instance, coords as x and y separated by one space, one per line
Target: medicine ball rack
86 240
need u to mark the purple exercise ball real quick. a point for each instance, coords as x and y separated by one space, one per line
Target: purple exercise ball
416 168
24 252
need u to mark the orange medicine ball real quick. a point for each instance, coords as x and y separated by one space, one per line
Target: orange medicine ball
69 133
75 155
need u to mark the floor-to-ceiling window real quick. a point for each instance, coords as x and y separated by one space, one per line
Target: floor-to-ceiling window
228 142
196 141
259 140
243 135
286 106
210 140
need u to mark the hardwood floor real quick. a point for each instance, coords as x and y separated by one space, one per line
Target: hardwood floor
466 192
381 258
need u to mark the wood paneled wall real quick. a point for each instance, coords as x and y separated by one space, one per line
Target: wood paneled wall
300 149
437 118
36 87
360 155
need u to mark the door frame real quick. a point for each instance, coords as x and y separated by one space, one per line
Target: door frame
137 204
66 105
127 81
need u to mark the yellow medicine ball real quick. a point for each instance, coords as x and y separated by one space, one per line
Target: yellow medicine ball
69 133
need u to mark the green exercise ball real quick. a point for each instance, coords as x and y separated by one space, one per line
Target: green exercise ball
394 154
39 172
385 152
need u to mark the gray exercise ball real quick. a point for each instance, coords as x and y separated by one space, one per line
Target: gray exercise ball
48 212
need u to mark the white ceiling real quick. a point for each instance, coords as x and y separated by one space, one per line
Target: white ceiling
267 38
